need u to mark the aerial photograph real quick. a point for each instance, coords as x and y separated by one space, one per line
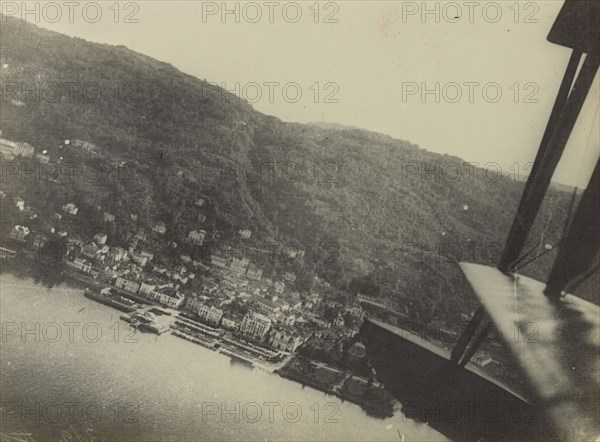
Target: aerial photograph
280 221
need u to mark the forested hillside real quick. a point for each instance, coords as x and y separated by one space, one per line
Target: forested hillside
359 203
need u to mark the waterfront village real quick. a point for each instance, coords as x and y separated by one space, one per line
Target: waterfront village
221 301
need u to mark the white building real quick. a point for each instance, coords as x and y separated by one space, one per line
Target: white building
197 237
70 208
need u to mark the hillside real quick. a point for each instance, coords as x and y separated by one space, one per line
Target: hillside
354 200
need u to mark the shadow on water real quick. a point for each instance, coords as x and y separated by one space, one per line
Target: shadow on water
239 362
42 274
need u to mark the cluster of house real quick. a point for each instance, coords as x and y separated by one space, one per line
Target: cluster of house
275 315
130 278
264 324
195 237
127 269
254 326
241 265
280 319
12 149
84 145
166 294
19 233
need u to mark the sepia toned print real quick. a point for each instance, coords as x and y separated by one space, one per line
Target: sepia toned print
299 221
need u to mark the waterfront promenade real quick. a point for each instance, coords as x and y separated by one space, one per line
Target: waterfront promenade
318 375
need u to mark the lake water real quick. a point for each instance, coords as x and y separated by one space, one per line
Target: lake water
71 370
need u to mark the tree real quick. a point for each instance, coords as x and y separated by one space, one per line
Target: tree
330 313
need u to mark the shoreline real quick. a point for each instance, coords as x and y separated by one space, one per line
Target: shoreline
376 407
171 357
280 368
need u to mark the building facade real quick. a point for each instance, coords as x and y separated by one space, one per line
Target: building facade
196 237
255 326
210 315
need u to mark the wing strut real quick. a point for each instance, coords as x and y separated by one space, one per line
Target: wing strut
565 112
